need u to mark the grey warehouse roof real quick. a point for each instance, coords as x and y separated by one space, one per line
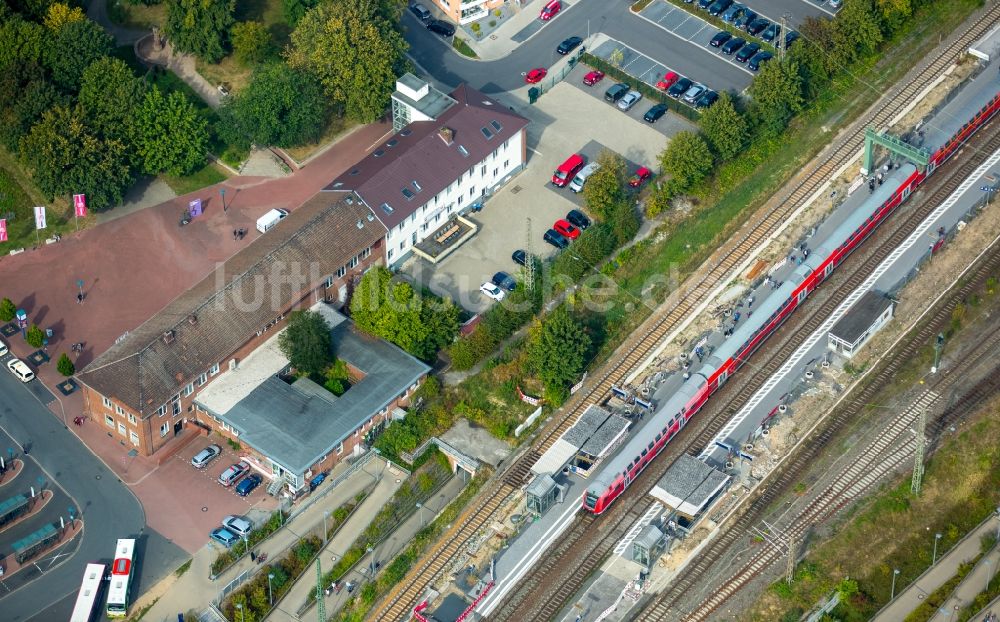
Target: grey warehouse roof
861 316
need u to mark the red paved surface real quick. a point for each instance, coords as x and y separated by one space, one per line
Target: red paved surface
13 470
131 268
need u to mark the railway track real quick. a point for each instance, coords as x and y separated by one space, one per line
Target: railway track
563 571
399 604
855 480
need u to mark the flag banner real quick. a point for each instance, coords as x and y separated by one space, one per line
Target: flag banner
80 205
3 229
194 208
39 217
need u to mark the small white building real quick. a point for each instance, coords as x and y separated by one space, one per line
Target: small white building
448 152
868 315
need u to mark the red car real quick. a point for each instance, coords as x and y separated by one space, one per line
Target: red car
549 10
640 176
567 230
593 78
535 75
668 81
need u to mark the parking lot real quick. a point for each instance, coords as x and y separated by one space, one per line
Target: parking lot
185 503
564 121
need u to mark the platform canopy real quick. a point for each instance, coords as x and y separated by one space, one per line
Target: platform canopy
555 458
688 485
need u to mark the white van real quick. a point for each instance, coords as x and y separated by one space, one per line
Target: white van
268 220
20 370
581 178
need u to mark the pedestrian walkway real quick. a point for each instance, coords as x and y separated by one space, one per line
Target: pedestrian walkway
945 568
195 591
970 587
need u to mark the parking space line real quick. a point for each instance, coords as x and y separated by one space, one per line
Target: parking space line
657 66
704 48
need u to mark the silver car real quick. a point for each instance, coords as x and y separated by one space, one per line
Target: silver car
239 525
693 93
630 99
203 457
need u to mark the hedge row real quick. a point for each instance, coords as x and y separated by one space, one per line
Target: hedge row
647 91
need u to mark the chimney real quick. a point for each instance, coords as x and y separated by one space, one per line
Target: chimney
168 337
192 319
447 135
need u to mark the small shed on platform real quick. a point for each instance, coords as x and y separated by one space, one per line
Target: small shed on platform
542 493
648 545
689 486
869 314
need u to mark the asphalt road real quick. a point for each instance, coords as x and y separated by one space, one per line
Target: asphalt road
612 18
110 511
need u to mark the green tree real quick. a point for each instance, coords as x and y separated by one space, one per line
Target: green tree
34 336
281 106
111 96
73 49
856 31
60 13
293 10
624 221
354 51
306 342
7 309
606 186
251 42
557 349
25 95
336 377
200 27
66 156
687 160
894 13
171 136
65 366
724 127
21 43
777 95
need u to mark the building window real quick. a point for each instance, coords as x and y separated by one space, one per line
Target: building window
164 429
353 262
340 448
131 418
482 169
390 253
505 143
423 227
459 201
357 433
496 172
506 163
472 192
162 410
365 254
202 379
108 419
402 244
121 428
107 402
329 282
132 436
119 410
213 370
177 408
189 389
341 271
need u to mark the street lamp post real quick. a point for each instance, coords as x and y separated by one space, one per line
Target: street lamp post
989 190
938 346
371 561
239 607
270 596
937 537
222 193
895 573
326 532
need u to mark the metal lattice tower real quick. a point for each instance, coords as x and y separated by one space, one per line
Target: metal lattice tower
529 257
793 554
320 601
918 453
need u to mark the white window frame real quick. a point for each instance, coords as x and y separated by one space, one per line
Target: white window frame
132 436
119 410
214 369
368 251
131 418
164 429
121 428
189 389
161 411
109 421
202 379
341 273
339 448
106 401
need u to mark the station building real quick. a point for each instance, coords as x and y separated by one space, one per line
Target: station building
865 318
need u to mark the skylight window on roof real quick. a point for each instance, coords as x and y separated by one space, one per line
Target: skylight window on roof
338 184
392 142
463 151
416 186
379 153
354 172
486 132
386 208
407 193
405 131
496 125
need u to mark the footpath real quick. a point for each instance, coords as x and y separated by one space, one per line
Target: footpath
193 590
946 568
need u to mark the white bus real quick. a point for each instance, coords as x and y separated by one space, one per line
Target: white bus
93 577
121 579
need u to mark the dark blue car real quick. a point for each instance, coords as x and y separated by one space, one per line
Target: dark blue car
249 482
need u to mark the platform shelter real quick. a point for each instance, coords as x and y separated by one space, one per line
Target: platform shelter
648 545
869 314
594 436
542 493
688 487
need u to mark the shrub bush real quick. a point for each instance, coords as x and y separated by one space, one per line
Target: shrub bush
65 366
35 337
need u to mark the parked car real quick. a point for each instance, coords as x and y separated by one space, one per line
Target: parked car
441 27
504 281
759 59
791 38
747 51
720 38
668 80
568 45
520 257
771 33
729 15
757 26
565 229
835 4
567 170
554 238
593 78
706 100
249 483
203 457
679 88
719 6
535 75
492 291
239 525
224 537
578 219
3 349
550 10
653 114
745 18
704 4
233 473
20 370
732 45
630 99
641 175
420 11
693 93
581 178
616 92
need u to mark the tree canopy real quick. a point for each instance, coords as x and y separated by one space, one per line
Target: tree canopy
111 96
251 42
76 45
606 186
200 27
725 128
687 160
25 95
171 137
60 13
293 10
557 348
777 95
305 342
354 51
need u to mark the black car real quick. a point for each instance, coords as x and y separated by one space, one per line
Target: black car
706 100
759 59
757 26
578 219
569 45
617 92
441 27
520 257
555 238
791 38
732 45
745 18
704 4
732 13
679 88
747 51
771 33
719 6
653 114
720 38
504 280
